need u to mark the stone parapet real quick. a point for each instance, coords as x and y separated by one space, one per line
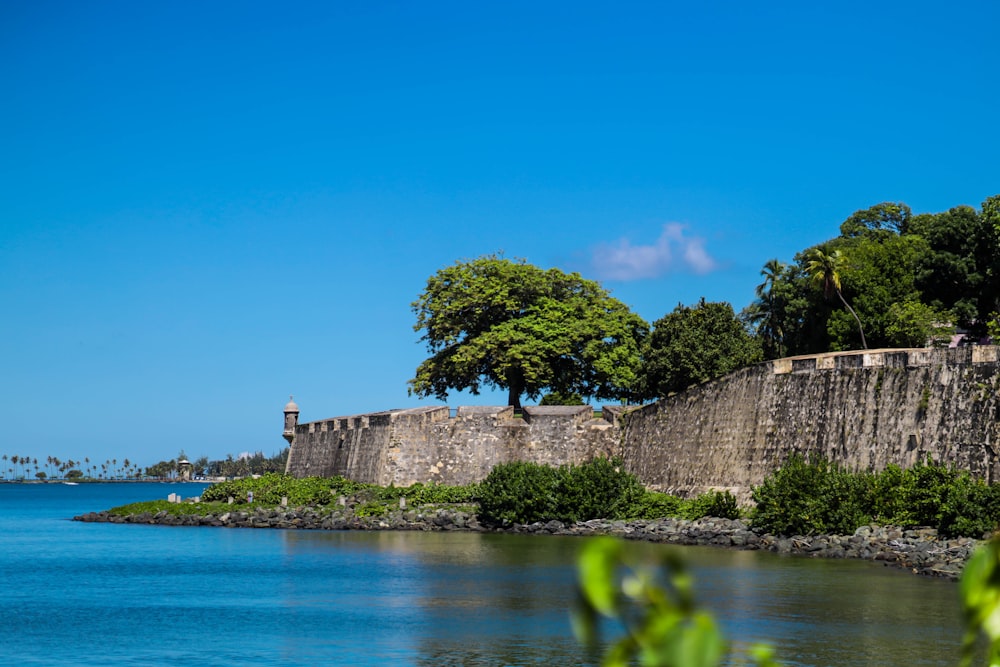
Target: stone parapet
402 447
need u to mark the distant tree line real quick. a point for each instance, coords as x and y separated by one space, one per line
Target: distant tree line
243 465
16 467
51 467
889 279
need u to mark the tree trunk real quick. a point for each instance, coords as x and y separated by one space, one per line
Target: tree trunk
856 319
515 387
514 397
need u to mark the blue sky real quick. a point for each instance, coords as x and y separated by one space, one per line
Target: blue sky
205 207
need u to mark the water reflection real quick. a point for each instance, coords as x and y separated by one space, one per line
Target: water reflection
469 598
822 612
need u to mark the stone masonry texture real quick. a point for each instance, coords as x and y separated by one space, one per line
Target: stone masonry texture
864 409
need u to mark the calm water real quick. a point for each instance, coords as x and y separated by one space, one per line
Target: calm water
101 594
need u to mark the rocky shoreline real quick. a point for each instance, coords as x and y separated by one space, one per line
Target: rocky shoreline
919 550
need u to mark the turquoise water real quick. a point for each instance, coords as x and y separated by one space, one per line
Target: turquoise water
100 594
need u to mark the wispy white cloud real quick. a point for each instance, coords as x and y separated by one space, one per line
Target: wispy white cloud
674 250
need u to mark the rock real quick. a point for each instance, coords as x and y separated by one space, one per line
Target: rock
554 527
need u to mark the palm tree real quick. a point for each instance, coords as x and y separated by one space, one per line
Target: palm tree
824 269
763 312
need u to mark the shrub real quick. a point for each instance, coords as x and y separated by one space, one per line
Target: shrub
932 495
598 489
820 497
970 509
924 490
518 492
427 494
528 492
719 504
655 505
805 498
888 498
270 488
371 508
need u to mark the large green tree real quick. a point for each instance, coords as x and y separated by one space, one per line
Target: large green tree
884 218
878 277
692 345
507 324
957 273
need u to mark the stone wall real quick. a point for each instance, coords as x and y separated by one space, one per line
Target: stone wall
864 409
402 447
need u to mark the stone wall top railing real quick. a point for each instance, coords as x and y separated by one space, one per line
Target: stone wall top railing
580 414
886 358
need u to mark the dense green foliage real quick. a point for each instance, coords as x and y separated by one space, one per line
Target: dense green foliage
812 497
510 325
558 398
889 279
512 493
692 345
898 279
269 489
600 489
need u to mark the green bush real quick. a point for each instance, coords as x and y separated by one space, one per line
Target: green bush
372 508
806 498
655 505
598 489
524 492
820 497
924 490
270 488
971 508
932 495
719 504
518 492
887 495
430 494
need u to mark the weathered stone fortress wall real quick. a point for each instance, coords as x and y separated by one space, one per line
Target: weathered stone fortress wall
863 409
402 447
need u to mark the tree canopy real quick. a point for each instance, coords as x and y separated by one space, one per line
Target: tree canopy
910 280
891 278
692 345
507 324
